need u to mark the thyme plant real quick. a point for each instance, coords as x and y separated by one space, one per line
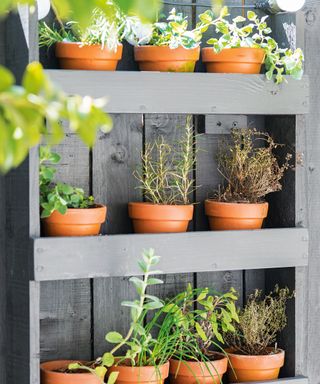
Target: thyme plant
250 167
58 196
260 322
255 33
166 175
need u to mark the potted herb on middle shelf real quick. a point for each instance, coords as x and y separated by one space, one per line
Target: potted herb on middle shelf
167 183
66 210
253 351
244 45
166 46
200 318
251 171
95 47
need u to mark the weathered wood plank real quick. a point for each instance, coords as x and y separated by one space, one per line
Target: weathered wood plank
291 380
65 316
134 92
71 258
114 159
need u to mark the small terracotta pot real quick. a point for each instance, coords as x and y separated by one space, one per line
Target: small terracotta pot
235 216
87 57
141 375
255 368
154 218
76 222
234 60
48 376
165 59
185 372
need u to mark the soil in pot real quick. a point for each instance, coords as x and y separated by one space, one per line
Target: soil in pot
50 374
76 222
184 372
235 216
141 375
165 59
87 57
234 60
255 368
153 218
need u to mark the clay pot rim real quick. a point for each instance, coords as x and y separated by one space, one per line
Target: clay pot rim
165 48
234 204
78 43
63 363
219 366
238 48
231 352
135 368
131 203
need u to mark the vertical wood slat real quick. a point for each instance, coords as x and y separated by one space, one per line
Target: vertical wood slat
65 316
115 156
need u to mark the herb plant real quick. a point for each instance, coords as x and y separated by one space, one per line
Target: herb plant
173 33
166 177
254 33
201 317
107 32
250 167
58 196
260 321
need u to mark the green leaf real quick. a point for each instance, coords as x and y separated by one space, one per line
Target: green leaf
200 331
112 377
154 281
114 337
6 79
74 366
100 372
108 359
153 305
34 78
239 19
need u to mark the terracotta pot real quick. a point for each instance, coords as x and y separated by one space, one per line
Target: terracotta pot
150 374
234 60
165 59
48 376
185 372
255 368
153 218
235 216
76 222
89 57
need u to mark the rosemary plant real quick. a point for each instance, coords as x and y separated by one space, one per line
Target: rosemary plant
166 175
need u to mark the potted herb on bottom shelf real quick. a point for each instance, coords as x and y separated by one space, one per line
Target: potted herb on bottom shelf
166 182
65 210
253 352
199 330
252 171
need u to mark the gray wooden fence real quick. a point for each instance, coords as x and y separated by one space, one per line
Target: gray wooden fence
72 315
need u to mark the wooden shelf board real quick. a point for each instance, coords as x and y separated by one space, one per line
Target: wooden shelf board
117 255
291 380
187 93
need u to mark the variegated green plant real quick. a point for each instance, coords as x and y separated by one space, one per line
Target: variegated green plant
255 33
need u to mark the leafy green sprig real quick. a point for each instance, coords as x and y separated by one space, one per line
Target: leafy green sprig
254 33
172 33
58 196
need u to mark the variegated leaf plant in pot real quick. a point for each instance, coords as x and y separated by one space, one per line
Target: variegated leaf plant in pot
167 183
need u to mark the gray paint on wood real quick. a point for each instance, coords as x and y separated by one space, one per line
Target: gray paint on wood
207 93
115 157
70 258
222 124
65 317
291 380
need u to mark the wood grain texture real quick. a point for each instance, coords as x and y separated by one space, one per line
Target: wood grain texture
115 157
65 316
208 93
71 258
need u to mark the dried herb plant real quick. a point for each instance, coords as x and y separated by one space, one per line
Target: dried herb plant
250 167
260 322
166 174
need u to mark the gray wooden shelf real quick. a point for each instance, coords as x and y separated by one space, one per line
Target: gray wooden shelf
194 93
291 380
116 255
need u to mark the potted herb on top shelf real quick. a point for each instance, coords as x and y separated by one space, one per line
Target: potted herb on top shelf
243 45
96 47
254 354
166 182
66 210
165 46
200 317
251 171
